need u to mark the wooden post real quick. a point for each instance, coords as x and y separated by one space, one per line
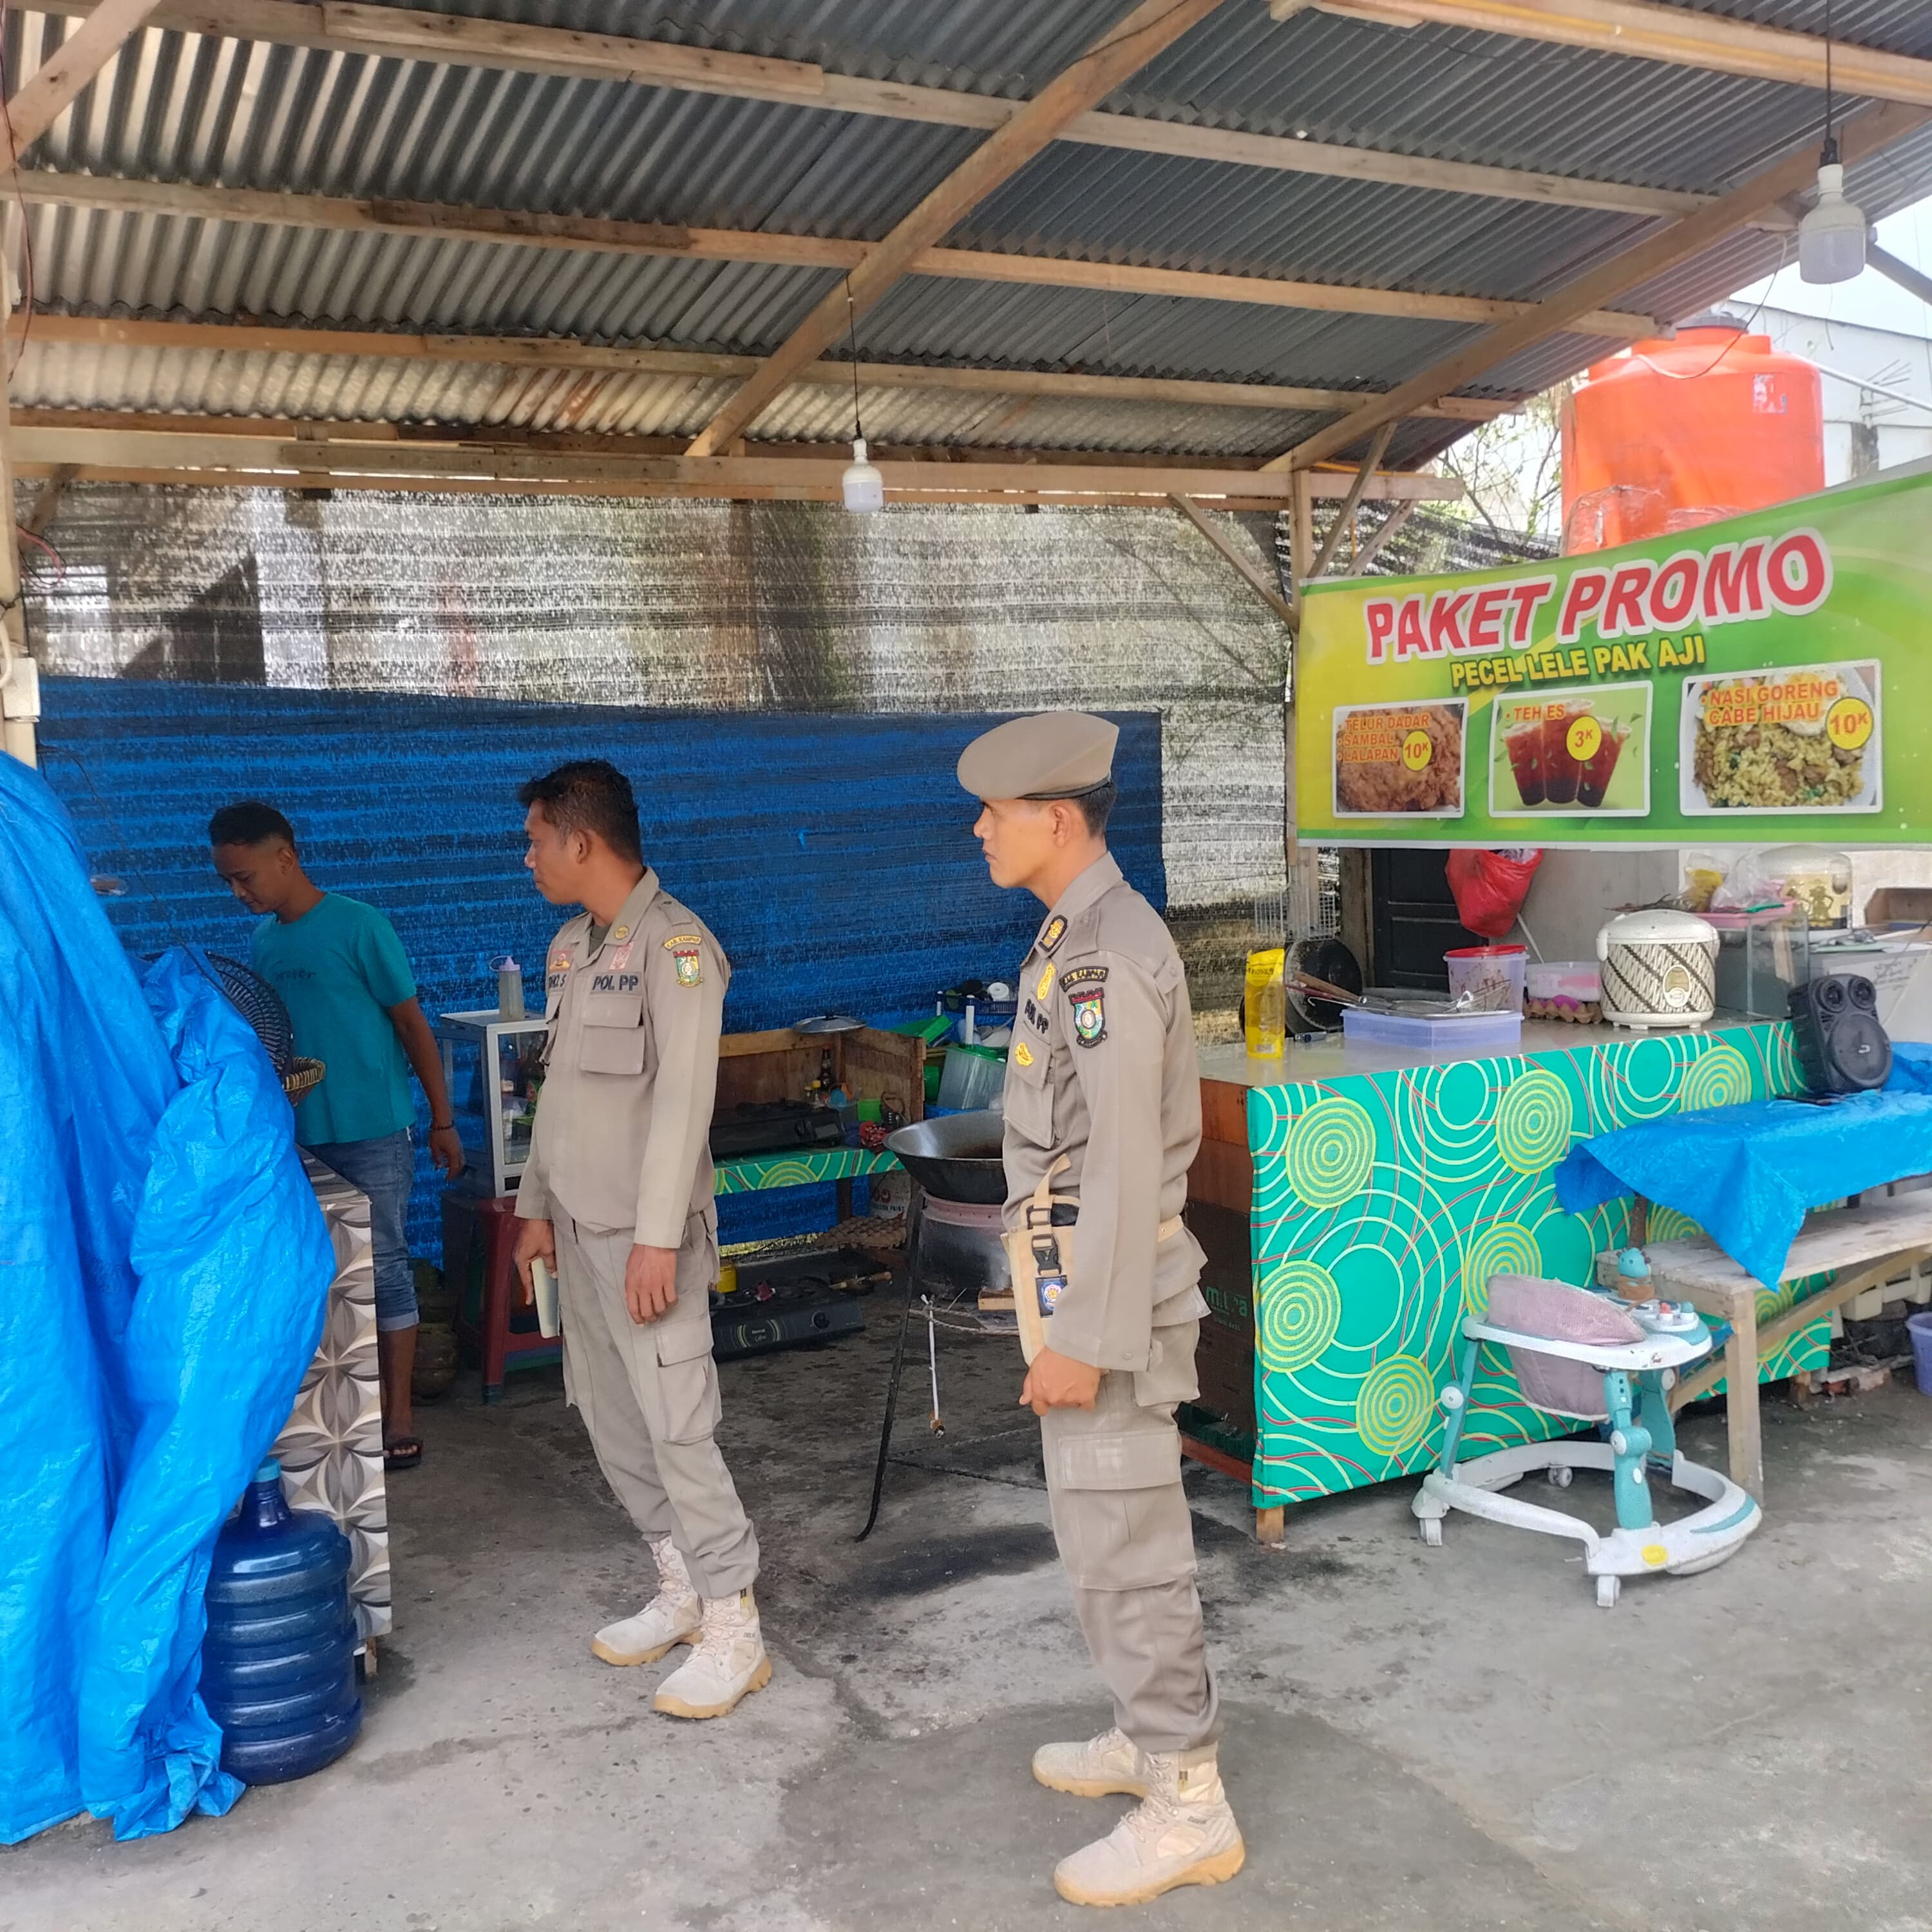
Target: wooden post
19 685
1358 924
1301 554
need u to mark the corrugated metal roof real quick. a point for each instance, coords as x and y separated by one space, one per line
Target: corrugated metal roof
184 107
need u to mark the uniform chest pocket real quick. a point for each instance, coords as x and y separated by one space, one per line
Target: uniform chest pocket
612 1040
1028 1094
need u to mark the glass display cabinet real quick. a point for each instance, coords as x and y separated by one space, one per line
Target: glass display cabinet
493 1069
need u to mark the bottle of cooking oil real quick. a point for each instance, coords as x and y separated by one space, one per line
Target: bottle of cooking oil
1266 1007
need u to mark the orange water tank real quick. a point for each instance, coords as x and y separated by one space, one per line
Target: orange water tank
1666 435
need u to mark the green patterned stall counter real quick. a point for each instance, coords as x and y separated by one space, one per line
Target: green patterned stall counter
1383 1203
757 1171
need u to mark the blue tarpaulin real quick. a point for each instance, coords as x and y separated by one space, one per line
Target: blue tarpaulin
167 1268
1747 1174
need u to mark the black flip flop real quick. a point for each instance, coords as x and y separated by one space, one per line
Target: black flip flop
405 1453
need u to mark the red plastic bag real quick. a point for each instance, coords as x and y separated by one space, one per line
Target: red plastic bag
1489 888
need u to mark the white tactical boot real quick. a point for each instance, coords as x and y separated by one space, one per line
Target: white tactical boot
1101 1766
1181 1833
671 1618
728 1662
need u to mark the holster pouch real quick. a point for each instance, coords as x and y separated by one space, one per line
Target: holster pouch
1040 1258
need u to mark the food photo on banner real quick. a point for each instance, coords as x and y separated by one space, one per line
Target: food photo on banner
1727 682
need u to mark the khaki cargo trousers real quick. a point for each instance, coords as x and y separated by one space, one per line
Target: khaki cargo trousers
1120 1519
648 1394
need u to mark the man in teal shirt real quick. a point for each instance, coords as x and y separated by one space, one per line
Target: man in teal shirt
345 978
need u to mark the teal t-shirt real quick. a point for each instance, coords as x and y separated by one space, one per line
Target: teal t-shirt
338 968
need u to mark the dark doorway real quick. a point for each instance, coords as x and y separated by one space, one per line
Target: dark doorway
216 639
1414 916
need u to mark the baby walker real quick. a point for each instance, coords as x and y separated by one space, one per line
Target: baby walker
1591 1358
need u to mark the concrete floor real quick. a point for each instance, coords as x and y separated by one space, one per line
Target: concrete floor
1446 1739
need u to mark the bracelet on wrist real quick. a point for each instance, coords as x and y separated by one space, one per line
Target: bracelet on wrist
441 1126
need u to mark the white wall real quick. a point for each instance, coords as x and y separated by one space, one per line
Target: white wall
1574 892
1864 430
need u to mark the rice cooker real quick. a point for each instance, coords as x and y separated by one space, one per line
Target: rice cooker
1660 970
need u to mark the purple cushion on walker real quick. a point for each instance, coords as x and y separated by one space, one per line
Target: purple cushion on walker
1558 1312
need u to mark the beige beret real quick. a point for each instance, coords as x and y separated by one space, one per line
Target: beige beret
1051 754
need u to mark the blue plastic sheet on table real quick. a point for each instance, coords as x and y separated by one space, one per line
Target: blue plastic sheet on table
1747 1174
168 1271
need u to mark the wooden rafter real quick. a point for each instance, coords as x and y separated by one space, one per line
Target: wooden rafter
1152 27
289 450
507 46
1379 445
472 486
1391 525
1864 134
47 502
540 353
1680 36
52 89
1245 568
439 221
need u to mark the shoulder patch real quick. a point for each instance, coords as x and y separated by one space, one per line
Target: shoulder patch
1055 930
686 949
1082 975
1089 1011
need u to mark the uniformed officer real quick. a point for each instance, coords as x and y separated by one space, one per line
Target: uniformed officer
1102 1074
616 1197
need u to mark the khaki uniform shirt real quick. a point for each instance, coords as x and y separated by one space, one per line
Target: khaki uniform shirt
1102 1068
622 1138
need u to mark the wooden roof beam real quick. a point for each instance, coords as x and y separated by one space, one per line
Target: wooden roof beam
1679 36
1864 134
53 87
505 46
91 440
1126 47
542 352
574 234
470 486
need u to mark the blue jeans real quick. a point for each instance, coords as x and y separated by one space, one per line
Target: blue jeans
385 1169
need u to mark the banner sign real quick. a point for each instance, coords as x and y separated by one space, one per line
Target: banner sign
1764 678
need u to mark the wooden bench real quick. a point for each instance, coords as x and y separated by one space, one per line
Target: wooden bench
1862 1246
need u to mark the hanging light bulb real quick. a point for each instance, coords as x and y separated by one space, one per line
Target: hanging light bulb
862 486
1831 236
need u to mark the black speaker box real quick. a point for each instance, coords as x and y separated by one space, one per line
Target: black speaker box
1842 1048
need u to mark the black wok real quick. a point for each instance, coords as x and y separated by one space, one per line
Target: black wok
956 1157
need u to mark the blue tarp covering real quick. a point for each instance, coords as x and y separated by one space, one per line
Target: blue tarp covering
167 1269
1747 1174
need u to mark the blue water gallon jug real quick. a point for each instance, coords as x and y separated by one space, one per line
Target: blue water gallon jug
278 1662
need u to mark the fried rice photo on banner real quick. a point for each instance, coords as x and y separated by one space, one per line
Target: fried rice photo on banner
1373 777
1742 763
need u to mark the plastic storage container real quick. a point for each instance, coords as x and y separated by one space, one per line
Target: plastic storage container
1565 989
972 1079
1484 970
1819 879
1449 1031
278 1662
